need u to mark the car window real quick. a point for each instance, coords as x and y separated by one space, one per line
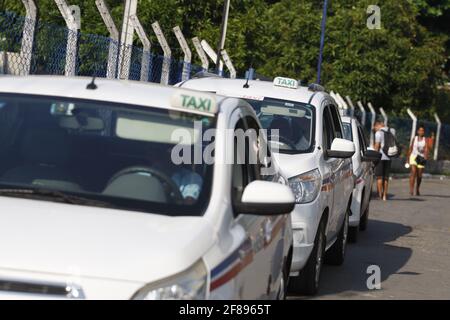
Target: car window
347 131
328 132
121 156
337 124
242 174
289 124
362 140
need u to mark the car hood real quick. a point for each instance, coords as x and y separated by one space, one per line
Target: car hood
54 238
292 165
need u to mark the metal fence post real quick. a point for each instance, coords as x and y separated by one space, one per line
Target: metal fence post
187 53
352 106
343 103
438 135
201 53
26 49
414 125
385 116
71 16
113 34
211 53
229 64
167 52
334 96
372 122
145 60
126 39
363 113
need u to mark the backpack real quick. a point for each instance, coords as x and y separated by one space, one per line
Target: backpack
390 147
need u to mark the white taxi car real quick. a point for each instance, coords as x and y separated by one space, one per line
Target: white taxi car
98 202
306 135
363 160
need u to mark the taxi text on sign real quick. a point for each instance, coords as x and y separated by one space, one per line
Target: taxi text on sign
194 102
286 82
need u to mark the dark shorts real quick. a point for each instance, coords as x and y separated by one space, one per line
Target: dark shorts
383 169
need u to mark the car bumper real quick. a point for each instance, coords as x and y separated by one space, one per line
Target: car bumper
305 221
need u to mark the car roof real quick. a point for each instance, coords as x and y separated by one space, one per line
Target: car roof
257 89
108 90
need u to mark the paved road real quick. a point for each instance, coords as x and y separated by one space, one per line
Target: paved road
409 238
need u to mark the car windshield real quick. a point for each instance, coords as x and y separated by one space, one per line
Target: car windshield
347 131
289 125
106 154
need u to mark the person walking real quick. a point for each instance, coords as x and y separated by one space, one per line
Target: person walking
383 168
417 156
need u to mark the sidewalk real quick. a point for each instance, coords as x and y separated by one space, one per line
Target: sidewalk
424 176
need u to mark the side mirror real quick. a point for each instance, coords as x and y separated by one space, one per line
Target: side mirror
266 198
341 148
371 156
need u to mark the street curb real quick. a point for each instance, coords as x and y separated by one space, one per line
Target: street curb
424 176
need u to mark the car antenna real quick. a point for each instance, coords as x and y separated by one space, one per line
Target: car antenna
92 85
246 85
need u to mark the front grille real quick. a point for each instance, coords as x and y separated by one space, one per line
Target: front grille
50 289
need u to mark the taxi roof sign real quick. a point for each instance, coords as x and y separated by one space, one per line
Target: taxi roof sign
196 102
285 82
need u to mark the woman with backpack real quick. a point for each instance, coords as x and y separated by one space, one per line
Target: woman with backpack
418 156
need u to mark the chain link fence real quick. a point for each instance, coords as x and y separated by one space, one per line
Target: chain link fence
403 128
57 50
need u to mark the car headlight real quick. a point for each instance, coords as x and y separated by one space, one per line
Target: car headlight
187 285
306 186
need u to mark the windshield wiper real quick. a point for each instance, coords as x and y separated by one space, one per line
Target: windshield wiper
53 194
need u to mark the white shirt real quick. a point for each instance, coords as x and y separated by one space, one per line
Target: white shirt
379 138
419 147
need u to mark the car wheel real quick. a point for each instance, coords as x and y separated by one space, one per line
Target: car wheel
364 220
308 281
336 254
283 290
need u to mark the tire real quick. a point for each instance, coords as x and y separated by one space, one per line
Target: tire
364 220
353 234
353 231
336 254
283 290
307 282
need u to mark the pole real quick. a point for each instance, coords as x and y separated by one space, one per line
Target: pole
363 114
165 72
322 40
414 125
201 53
438 135
146 45
211 54
385 117
223 35
186 73
126 40
229 64
26 49
352 106
372 122
114 36
71 16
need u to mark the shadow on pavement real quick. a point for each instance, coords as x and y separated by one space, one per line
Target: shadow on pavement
374 247
435 196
